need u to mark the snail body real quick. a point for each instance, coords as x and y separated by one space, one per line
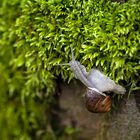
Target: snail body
97 83
104 83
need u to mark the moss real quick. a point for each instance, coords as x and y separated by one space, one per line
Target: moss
36 35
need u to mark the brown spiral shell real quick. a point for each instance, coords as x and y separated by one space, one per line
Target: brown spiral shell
97 103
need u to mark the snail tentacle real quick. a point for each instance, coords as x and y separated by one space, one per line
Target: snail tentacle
78 70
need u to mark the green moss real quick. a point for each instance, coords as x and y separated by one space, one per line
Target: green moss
35 35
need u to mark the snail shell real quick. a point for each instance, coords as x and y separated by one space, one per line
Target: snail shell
97 103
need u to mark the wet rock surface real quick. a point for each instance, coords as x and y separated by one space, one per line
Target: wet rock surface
121 124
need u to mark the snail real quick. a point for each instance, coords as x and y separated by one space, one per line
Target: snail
97 85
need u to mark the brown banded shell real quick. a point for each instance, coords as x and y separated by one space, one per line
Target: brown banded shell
97 103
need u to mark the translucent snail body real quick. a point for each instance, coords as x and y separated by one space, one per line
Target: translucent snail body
97 85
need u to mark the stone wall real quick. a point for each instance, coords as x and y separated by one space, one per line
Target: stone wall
122 123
